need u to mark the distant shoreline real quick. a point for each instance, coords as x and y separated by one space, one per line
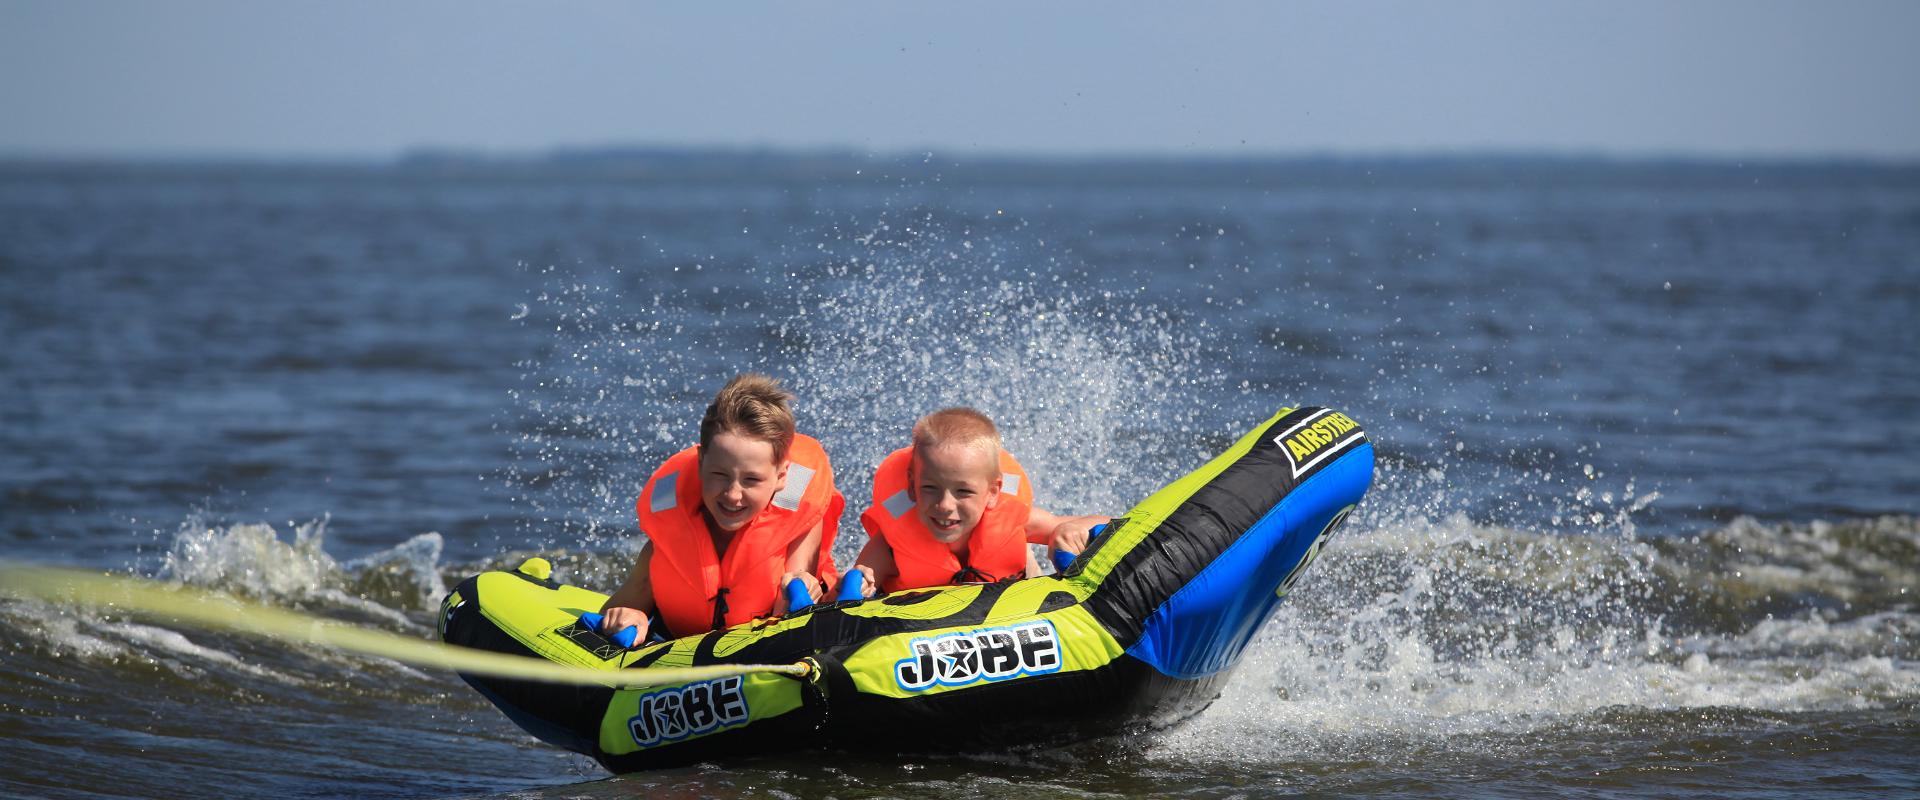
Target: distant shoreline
738 165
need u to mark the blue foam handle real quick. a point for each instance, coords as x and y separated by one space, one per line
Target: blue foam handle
798 598
850 586
625 638
1063 559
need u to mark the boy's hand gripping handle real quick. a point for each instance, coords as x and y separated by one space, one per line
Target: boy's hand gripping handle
1063 559
798 598
850 584
626 637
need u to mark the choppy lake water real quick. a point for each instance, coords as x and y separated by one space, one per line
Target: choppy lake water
1644 523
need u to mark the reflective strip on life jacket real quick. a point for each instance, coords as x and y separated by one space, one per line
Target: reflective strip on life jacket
696 589
663 491
799 476
996 547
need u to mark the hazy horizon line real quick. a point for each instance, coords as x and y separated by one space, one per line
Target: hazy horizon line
448 154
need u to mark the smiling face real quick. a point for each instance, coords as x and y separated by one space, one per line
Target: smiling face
738 477
952 488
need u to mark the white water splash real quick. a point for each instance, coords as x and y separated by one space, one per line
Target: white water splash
251 559
1081 385
1403 638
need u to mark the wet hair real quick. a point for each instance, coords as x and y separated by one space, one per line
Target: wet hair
754 406
961 426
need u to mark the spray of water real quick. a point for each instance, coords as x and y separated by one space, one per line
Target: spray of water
1419 624
1423 635
1100 396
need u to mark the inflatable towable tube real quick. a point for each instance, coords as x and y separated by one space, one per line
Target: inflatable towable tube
1138 633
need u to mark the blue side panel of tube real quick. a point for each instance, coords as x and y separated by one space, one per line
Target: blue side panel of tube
1204 626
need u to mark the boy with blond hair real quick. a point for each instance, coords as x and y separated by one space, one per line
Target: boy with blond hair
955 507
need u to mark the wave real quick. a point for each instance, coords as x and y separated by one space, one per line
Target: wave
1425 632
1444 619
1751 567
251 560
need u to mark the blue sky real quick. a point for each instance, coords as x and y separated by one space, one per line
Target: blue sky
354 79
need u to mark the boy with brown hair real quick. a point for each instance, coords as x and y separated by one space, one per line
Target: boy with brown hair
729 522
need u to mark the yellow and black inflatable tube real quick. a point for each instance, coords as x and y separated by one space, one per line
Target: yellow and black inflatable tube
1137 634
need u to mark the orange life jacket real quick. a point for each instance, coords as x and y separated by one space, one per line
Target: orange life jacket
697 590
996 549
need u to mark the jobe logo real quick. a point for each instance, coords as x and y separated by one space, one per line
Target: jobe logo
994 654
683 711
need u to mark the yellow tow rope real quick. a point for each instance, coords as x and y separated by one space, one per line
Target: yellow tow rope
222 612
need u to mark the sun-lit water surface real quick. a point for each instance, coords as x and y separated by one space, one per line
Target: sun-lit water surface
1643 523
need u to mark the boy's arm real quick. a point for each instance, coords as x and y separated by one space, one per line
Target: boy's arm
876 562
632 603
803 557
1033 565
1059 532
